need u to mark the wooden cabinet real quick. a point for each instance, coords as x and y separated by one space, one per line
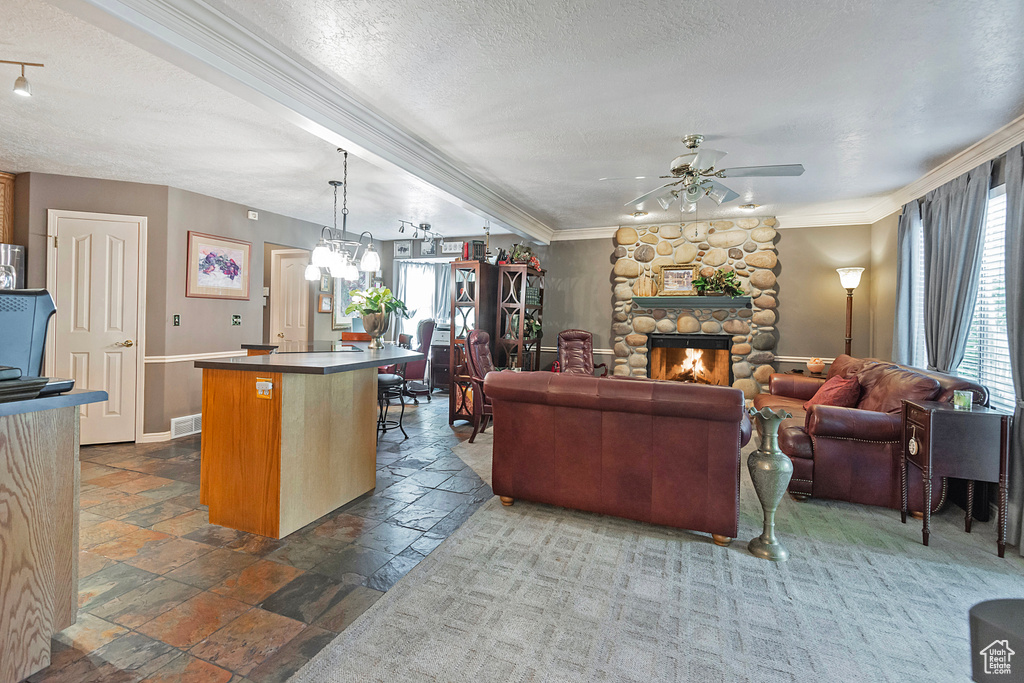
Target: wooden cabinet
6 208
520 304
474 292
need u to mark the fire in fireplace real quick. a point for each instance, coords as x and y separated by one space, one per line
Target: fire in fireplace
696 358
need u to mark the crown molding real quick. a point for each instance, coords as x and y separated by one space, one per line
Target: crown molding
217 48
587 233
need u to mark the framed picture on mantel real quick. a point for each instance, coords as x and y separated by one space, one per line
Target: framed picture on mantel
217 267
677 281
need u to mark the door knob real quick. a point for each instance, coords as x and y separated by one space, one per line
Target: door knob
280 334
126 343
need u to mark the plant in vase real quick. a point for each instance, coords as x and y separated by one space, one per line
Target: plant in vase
376 305
720 282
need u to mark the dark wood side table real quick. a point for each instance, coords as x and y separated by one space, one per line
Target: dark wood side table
967 444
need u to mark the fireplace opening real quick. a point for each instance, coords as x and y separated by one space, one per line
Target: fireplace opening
694 358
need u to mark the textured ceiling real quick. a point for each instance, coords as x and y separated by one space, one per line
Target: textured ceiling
540 98
104 108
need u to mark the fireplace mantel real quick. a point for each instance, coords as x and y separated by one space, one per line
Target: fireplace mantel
692 301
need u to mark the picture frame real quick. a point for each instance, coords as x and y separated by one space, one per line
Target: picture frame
325 282
451 247
403 248
677 281
343 297
325 304
428 248
217 267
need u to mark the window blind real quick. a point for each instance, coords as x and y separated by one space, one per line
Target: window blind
987 359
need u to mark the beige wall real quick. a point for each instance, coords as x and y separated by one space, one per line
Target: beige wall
172 389
812 303
883 285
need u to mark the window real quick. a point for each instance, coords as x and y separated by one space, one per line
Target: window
423 286
987 359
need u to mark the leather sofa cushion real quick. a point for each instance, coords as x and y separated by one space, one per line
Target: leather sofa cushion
884 385
793 405
838 391
844 366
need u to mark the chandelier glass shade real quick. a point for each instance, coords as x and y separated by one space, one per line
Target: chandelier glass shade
335 252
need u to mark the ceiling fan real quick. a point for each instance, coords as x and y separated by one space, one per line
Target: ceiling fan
694 176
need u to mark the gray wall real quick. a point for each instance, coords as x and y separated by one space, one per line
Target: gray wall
172 389
812 303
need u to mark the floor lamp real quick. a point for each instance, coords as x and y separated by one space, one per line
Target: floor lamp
850 278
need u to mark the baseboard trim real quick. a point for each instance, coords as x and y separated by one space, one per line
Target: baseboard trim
154 437
184 358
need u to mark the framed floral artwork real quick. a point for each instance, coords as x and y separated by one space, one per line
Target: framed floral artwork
217 267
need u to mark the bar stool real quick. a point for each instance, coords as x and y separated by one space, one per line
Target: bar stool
390 386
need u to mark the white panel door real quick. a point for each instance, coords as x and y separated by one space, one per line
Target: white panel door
96 326
289 297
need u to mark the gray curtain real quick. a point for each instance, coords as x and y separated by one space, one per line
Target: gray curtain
906 313
442 295
953 221
1014 278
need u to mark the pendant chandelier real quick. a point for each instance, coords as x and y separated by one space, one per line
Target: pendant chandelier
335 253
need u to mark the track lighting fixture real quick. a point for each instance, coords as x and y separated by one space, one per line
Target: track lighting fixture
21 84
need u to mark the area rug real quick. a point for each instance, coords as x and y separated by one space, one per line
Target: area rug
538 593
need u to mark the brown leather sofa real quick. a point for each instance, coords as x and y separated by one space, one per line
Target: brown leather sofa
853 454
659 452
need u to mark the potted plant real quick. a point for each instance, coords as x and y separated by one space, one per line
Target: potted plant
721 282
376 305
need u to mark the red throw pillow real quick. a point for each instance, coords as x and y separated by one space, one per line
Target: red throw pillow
838 391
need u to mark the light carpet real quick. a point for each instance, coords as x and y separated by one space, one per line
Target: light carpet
537 593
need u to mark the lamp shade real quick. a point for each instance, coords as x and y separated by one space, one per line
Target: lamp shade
312 272
370 261
849 277
21 86
321 257
693 193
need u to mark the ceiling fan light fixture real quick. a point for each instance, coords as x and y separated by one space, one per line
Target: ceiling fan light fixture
666 202
717 194
692 194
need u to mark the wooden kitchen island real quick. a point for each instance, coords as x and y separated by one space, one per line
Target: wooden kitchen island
289 437
39 486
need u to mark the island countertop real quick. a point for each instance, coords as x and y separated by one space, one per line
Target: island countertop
315 363
304 347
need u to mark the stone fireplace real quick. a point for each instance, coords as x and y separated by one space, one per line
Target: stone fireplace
694 358
745 246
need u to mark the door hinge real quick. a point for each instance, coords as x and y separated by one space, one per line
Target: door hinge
54 241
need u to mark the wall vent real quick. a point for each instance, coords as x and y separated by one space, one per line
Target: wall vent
184 426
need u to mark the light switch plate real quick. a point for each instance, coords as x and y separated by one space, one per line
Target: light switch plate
176 321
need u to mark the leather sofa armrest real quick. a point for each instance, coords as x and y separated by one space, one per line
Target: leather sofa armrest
794 386
853 423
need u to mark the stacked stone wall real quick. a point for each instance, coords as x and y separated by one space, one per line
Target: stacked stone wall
745 246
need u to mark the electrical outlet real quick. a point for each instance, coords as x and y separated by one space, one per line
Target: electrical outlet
254 216
176 321
236 320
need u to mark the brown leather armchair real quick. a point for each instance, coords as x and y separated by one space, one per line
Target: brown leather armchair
660 452
853 454
478 358
576 353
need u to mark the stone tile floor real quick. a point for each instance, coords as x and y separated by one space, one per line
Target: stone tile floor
166 596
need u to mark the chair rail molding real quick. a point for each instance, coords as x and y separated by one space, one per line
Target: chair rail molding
220 49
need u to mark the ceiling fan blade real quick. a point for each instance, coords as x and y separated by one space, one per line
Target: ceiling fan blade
720 193
706 158
661 191
639 177
763 171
